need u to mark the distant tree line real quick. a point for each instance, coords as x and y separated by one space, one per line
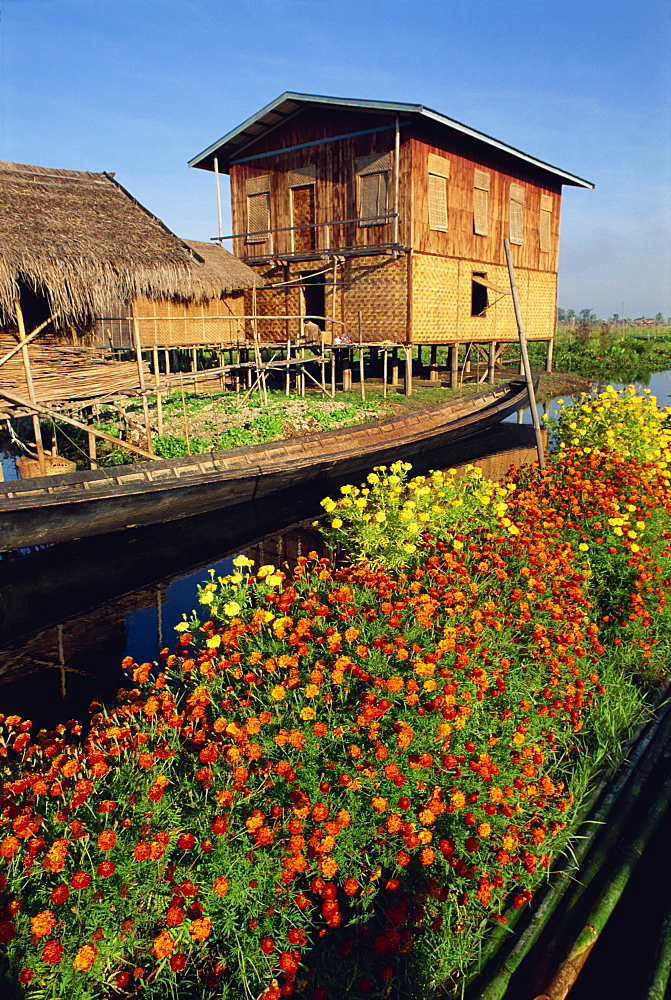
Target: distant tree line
571 317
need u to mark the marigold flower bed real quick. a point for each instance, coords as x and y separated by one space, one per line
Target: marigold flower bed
338 781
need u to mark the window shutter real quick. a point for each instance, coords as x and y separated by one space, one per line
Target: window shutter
481 183
439 165
302 176
258 208
258 212
517 214
373 164
438 203
373 193
545 228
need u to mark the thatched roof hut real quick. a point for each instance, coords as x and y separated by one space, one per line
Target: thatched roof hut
83 243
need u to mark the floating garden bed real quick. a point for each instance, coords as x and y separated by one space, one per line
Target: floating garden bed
347 782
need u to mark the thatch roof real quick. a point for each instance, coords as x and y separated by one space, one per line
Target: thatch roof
220 271
84 242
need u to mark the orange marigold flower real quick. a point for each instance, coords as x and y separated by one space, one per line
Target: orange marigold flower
25 976
106 868
185 841
9 846
379 804
177 962
142 851
255 820
350 888
106 840
320 812
201 928
85 957
427 855
42 924
145 760
267 945
458 799
328 867
163 945
220 885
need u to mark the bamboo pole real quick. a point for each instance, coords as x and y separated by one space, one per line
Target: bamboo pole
660 977
362 374
583 943
185 418
47 411
407 348
525 357
140 369
385 359
618 800
37 430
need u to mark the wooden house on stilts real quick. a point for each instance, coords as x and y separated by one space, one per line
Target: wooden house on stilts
386 221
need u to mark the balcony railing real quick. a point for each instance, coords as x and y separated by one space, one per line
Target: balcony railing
348 248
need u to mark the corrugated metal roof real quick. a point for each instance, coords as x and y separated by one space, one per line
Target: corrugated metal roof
289 104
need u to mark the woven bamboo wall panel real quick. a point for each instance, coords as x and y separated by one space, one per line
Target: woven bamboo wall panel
442 302
378 287
176 324
435 299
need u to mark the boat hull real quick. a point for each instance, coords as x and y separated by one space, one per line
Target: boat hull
79 505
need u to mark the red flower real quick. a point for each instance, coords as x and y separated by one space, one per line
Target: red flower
52 952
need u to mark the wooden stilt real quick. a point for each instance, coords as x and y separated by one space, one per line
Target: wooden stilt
433 371
92 450
287 374
347 370
362 381
550 355
37 430
159 401
185 419
385 359
454 366
407 349
140 371
333 374
491 361
394 366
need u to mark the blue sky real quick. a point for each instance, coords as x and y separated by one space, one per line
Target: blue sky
140 86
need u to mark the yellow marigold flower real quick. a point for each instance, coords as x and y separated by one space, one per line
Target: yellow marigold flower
278 692
458 799
213 641
182 627
206 597
328 504
336 522
242 561
231 609
311 691
265 571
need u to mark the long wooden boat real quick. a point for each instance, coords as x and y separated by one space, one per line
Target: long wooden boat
79 504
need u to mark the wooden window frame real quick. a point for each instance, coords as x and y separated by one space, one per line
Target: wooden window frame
481 188
545 224
516 210
438 193
257 190
377 166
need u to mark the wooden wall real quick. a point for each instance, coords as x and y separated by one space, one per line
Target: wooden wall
334 178
460 241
